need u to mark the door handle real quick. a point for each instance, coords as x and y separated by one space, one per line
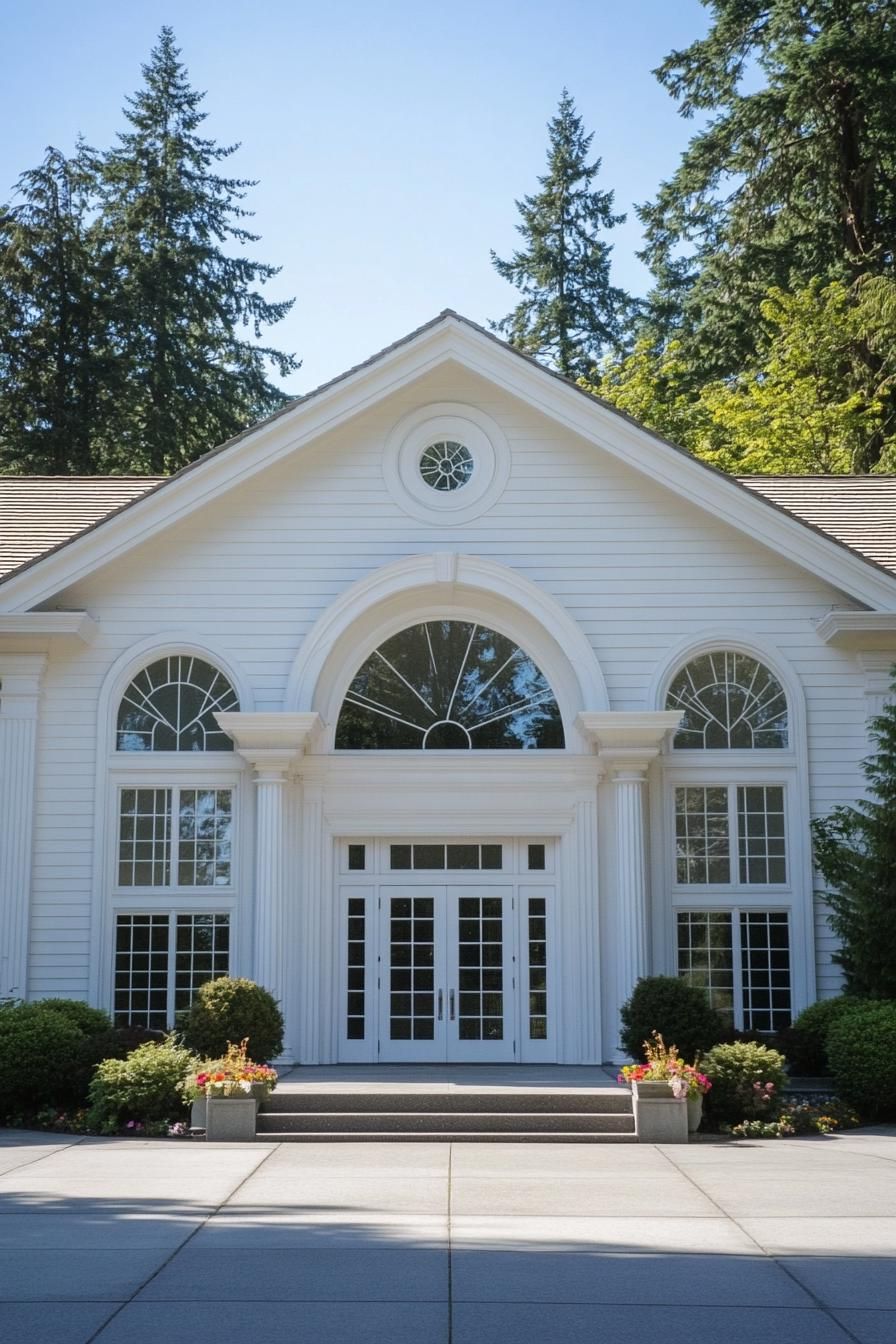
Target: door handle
440 1005
451 1004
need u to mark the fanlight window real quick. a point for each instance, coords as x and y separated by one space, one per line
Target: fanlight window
449 685
730 701
170 706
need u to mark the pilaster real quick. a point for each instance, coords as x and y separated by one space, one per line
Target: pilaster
20 681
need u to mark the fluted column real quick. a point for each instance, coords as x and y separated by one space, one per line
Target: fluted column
631 878
20 679
270 869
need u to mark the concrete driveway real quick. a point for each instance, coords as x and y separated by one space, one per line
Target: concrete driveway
130 1242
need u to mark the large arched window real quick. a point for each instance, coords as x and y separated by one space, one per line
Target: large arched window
171 705
449 685
730 700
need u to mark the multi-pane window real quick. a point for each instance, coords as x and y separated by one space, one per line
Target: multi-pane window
456 858
160 962
198 855
742 959
171 705
713 822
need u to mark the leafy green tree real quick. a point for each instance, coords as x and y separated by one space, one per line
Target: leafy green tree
792 177
570 313
821 400
56 370
185 295
855 851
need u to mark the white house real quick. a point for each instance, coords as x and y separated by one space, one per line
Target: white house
445 703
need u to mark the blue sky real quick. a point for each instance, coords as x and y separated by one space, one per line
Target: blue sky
390 139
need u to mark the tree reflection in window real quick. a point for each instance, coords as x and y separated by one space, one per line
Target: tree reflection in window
730 701
449 685
170 706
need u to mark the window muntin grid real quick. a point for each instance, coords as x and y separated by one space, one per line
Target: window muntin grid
702 845
706 956
730 701
161 960
205 825
446 465
752 947
202 953
765 969
144 838
761 834
480 977
140 992
538 968
170 706
202 851
449 685
355 969
438 858
411 968
712 822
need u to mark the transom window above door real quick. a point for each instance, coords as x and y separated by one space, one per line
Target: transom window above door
449 685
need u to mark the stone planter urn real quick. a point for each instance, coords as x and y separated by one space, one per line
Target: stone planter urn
230 1119
197 1113
660 1116
695 1112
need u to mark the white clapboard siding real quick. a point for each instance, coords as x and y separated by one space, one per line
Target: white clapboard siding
637 568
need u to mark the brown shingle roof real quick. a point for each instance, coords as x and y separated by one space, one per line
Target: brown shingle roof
38 513
860 511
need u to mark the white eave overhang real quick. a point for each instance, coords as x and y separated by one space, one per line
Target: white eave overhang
859 630
36 631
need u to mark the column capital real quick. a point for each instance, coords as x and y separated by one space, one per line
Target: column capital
20 679
272 743
626 741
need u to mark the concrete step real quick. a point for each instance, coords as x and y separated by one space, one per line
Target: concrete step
512 1101
441 1136
447 1122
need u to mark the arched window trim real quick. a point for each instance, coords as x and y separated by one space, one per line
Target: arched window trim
719 658
450 721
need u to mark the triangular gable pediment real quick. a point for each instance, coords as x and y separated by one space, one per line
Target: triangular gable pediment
448 338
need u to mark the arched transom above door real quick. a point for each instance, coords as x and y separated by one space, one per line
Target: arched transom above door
449 685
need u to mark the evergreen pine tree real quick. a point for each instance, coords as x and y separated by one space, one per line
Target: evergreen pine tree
184 291
788 182
569 313
56 371
855 850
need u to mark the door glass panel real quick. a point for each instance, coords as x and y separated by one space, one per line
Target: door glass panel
354 1005
480 1000
411 980
538 969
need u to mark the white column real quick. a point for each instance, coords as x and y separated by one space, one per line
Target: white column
271 769
631 879
20 679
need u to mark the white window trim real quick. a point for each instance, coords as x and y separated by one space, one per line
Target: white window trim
478 433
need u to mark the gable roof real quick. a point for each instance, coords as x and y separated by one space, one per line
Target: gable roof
155 504
859 511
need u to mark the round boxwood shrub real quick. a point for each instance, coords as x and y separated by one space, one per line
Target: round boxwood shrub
747 1082
862 1054
805 1040
228 1011
89 1021
38 1053
145 1086
678 1010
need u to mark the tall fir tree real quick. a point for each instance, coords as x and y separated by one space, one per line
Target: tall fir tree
57 370
855 851
787 182
186 296
570 314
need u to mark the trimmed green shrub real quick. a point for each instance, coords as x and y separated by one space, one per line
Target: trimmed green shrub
862 1054
38 1054
89 1021
678 1010
145 1086
805 1040
747 1082
228 1011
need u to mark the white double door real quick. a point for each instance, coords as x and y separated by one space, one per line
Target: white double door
447 973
